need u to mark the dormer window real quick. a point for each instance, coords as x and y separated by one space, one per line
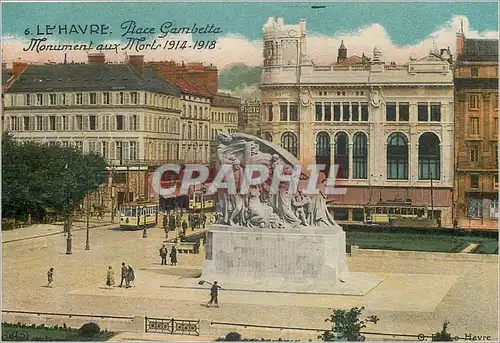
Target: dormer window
39 99
79 98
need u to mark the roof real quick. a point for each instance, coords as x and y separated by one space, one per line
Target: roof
90 77
191 88
6 75
480 50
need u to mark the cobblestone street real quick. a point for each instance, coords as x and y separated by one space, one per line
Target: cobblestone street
416 296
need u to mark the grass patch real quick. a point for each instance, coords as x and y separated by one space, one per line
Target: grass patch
22 332
419 241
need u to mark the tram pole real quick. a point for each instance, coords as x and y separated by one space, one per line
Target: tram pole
432 199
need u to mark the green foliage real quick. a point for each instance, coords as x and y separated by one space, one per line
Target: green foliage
347 325
38 177
90 330
238 75
443 336
23 332
236 337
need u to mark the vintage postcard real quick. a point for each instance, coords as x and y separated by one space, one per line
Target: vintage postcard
267 171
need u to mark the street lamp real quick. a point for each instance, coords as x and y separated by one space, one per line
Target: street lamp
69 239
87 242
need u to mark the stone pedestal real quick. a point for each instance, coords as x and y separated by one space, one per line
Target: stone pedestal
305 259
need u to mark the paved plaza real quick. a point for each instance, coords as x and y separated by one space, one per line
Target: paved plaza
416 296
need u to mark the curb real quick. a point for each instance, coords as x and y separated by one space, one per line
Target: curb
53 234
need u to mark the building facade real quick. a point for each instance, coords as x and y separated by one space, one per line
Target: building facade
476 133
388 127
224 114
125 112
249 120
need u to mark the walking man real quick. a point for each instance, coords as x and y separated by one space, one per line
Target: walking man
214 292
163 254
130 277
124 275
184 227
50 277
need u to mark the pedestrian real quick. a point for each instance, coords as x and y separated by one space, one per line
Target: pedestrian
178 220
50 277
204 220
172 225
130 277
190 220
184 227
124 275
163 254
214 292
165 222
110 277
173 256
196 246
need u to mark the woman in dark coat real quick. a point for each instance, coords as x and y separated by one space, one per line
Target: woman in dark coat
173 256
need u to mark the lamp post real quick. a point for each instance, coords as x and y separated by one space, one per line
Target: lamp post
69 239
87 242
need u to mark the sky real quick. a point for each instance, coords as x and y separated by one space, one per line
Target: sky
397 29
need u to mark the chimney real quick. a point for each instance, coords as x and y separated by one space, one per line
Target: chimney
137 62
18 68
460 43
96 58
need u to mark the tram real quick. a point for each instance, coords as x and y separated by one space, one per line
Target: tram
138 215
389 213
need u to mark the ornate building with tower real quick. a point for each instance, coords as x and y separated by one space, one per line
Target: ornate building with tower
388 127
476 132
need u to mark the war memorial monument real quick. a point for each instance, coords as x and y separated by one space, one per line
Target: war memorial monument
281 241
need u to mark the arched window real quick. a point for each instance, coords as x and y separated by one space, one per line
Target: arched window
268 137
323 155
397 157
342 155
429 159
195 132
190 131
289 142
360 156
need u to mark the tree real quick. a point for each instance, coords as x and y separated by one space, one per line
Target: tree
443 336
347 325
37 176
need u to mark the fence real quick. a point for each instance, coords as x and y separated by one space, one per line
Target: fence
172 326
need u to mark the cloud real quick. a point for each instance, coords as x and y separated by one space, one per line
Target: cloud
237 49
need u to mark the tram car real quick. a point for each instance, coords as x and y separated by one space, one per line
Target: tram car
138 215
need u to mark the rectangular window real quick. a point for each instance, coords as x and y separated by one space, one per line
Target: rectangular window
355 111
39 99
27 99
133 150
319 111
133 98
283 112
474 181
474 72
119 122
423 112
346 115
26 126
79 122
328 111
435 111
105 98
133 122
104 149
39 123
404 111
63 99
390 111
294 112
65 123
52 123
93 98
92 123
495 181
364 111
336 111
474 126
474 102
52 99
121 98
474 154
79 98
270 112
